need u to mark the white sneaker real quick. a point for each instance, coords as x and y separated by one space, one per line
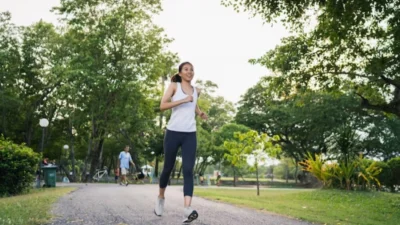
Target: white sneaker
159 208
189 215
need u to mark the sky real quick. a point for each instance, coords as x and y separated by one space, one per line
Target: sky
217 40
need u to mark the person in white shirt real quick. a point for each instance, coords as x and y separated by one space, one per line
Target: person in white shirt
123 160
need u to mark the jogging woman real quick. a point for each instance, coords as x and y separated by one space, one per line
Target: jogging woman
181 96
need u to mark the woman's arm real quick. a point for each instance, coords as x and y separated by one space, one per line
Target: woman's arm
165 101
197 110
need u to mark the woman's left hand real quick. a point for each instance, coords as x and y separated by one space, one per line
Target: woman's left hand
203 116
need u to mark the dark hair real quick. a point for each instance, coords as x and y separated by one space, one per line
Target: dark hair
176 78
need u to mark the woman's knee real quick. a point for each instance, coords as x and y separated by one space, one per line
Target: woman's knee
188 172
167 170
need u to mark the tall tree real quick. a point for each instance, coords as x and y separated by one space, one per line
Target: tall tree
354 46
10 62
115 49
315 121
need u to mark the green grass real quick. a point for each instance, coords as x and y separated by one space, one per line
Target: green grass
321 206
254 179
31 208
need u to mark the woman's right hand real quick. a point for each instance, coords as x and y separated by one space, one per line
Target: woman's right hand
189 98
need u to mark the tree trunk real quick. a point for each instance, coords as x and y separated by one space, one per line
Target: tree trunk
3 113
196 167
295 173
87 158
101 162
172 176
179 174
258 183
234 177
156 170
72 155
272 174
163 79
95 155
135 157
287 174
66 172
28 130
110 165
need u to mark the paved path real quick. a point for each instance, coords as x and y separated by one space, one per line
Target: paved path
111 204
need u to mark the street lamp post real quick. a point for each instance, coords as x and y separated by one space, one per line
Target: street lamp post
43 123
65 147
73 132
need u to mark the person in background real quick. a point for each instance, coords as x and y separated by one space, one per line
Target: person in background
201 179
218 178
116 172
45 162
123 160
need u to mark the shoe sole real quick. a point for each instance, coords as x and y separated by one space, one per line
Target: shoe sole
156 213
191 217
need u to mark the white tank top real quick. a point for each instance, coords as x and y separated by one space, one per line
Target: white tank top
183 116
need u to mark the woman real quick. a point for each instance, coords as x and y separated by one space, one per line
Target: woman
116 173
181 97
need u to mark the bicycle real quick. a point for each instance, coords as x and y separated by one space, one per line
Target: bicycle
100 173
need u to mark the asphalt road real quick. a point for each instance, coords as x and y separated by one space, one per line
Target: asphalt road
112 204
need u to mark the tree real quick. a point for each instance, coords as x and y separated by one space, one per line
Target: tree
115 56
353 47
251 144
220 112
156 145
33 68
303 120
10 61
383 138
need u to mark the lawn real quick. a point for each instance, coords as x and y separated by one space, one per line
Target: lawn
254 179
32 208
321 206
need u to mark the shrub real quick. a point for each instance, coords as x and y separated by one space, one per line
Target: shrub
368 173
345 172
385 175
356 173
317 167
394 165
17 167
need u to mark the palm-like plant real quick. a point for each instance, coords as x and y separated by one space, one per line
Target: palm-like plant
345 172
368 173
317 167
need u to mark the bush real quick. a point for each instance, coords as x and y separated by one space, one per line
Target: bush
394 165
385 175
17 167
358 173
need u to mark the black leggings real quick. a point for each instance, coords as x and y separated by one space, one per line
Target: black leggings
188 142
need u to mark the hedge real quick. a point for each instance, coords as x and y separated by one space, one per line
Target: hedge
18 164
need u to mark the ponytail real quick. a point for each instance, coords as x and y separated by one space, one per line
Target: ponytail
176 78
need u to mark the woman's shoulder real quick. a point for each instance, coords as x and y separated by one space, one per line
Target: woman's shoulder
174 85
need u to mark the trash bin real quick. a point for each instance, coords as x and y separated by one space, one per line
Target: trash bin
49 174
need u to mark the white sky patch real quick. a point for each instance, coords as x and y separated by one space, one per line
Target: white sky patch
217 40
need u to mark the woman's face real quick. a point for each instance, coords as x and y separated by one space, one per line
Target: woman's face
187 72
